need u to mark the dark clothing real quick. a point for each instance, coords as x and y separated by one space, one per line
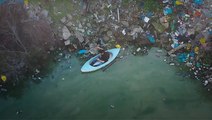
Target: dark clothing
105 56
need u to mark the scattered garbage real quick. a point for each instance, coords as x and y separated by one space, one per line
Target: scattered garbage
37 71
18 112
182 27
182 57
82 52
3 78
159 51
198 2
123 32
112 106
172 64
167 11
118 46
150 37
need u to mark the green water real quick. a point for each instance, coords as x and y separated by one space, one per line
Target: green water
141 87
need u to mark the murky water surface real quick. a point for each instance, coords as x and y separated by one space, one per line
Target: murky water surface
141 87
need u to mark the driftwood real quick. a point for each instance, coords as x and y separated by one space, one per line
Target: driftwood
177 48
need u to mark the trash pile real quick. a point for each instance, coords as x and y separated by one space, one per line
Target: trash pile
190 36
182 27
107 24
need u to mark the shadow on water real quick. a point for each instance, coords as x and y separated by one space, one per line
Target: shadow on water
176 103
144 112
162 91
205 96
148 110
17 90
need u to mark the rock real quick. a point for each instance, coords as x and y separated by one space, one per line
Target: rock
67 42
70 24
66 33
115 26
106 38
49 20
109 33
190 31
44 13
173 55
81 30
125 23
69 16
89 25
51 48
63 20
79 36
80 25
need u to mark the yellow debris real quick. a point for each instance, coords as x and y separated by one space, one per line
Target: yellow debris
196 50
3 78
26 3
178 2
118 46
188 47
202 40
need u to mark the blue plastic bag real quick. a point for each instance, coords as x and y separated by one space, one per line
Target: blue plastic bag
182 57
192 54
167 11
198 2
151 38
82 52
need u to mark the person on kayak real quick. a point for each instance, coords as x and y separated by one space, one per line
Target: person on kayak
104 56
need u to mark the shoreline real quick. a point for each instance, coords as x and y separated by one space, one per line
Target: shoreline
82 25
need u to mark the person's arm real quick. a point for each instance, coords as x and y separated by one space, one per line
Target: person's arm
100 60
97 47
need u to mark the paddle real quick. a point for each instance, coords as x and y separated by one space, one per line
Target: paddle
106 67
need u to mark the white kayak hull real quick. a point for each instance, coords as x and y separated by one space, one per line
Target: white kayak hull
89 68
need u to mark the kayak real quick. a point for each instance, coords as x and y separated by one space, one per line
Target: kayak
87 67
